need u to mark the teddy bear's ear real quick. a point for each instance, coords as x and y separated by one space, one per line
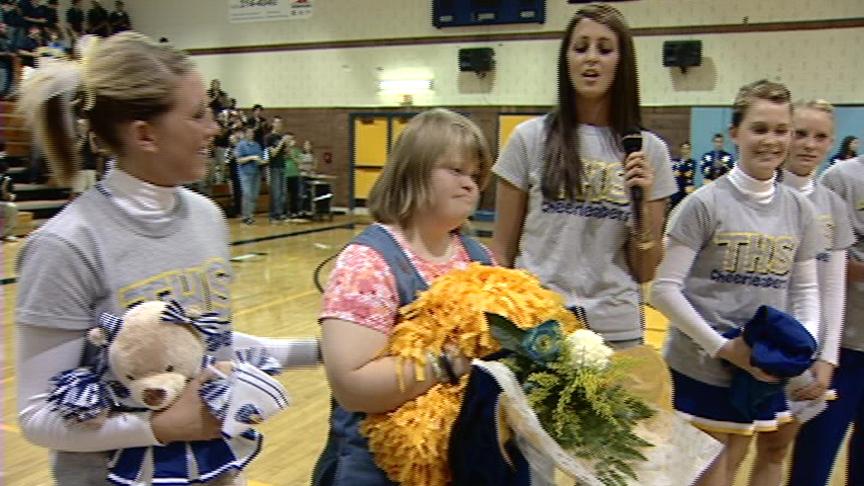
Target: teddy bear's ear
98 336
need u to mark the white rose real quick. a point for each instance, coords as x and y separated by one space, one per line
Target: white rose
587 349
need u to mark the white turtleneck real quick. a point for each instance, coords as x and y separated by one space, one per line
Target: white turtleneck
761 192
804 184
141 200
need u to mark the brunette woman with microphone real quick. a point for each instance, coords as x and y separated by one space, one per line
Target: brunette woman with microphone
565 209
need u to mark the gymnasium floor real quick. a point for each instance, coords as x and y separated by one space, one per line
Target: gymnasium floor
273 295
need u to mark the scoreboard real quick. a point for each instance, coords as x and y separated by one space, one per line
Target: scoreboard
459 13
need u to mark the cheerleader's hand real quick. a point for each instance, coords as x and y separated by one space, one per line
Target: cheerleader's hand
638 172
822 371
188 419
737 352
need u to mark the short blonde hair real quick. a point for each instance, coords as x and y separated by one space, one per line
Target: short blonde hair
758 90
123 78
817 104
404 184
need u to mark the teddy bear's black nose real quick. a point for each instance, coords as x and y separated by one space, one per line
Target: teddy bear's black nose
153 397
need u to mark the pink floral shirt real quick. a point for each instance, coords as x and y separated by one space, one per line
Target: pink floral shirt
362 289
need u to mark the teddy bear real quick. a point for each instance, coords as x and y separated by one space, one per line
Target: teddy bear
146 359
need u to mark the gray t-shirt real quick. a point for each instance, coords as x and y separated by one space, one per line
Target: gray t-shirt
745 253
846 178
577 247
833 217
93 258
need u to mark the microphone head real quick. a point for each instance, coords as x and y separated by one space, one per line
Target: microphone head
631 140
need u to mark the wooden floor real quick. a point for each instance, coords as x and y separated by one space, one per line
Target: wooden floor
273 295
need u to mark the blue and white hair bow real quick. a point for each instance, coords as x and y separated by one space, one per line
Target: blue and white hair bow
209 324
110 324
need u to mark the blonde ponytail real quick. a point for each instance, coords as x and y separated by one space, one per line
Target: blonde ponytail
46 101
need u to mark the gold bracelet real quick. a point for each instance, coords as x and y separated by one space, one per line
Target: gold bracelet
644 240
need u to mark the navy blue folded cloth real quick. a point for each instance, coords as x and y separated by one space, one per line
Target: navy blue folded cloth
781 346
475 457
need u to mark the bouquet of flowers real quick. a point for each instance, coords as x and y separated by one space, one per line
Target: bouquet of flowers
572 385
561 394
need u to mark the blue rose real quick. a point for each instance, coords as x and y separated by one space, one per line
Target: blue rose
543 343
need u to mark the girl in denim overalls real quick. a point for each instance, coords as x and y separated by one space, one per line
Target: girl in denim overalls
425 193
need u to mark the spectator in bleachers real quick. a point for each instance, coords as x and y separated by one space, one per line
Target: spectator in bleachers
55 45
53 8
8 209
292 176
28 50
307 158
119 18
74 20
16 26
97 20
277 144
250 156
234 136
259 124
7 52
35 13
216 97
52 14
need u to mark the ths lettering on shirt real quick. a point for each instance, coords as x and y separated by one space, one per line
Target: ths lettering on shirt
207 284
747 252
603 184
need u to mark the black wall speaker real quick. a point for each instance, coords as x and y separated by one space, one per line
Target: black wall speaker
481 59
682 53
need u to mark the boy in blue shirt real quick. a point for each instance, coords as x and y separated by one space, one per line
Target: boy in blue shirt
249 156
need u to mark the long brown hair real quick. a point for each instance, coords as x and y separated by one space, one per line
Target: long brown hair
562 174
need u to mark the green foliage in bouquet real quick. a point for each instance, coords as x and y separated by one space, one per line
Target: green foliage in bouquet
572 386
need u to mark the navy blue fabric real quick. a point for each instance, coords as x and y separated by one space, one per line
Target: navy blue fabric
475 459
346 459
172 464
710 402
781 347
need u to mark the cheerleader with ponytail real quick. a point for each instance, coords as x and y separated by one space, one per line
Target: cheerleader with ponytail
137 235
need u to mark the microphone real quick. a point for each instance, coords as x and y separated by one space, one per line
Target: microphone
631 140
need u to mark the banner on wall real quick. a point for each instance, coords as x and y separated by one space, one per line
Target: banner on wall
268 10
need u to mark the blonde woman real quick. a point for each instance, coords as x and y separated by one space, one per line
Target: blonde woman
137 235
735 245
